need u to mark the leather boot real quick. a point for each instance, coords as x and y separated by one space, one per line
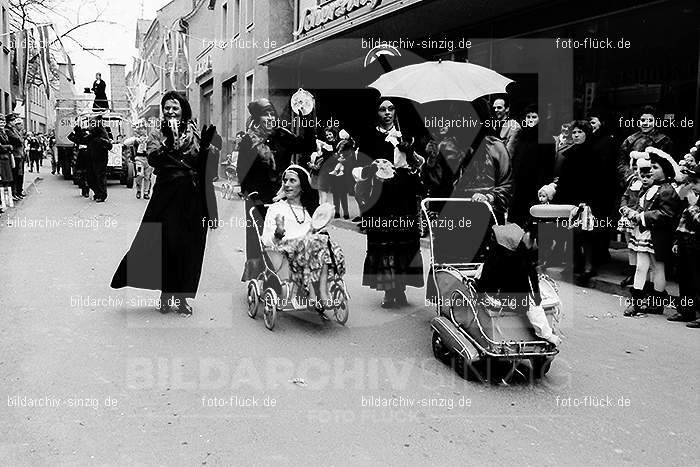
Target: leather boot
636 307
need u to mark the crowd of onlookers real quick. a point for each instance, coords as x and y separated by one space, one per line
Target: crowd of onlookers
17 149
640 191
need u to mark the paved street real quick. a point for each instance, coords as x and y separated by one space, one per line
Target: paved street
119 383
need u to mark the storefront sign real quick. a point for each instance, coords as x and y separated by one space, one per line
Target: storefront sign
313 17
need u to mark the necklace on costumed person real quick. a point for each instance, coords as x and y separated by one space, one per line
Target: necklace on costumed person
303 213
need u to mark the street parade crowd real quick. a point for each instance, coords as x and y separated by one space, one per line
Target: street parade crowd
645 191
17 150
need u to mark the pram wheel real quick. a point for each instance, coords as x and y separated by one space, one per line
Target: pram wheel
340 302
464 367
270 308
540 366
440 352
253 298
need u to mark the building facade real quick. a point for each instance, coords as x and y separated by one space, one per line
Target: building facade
6 102
162 63
616 59
224 45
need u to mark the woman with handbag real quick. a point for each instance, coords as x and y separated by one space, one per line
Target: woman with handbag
168 250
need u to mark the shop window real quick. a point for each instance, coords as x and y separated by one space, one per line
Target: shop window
229 98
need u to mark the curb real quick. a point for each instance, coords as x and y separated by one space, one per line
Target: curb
604 283
28 191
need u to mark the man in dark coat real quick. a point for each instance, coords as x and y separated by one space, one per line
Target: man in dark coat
14 136
79 137
98 146
99 87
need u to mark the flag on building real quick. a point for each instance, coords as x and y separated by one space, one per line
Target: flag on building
44 67
21 58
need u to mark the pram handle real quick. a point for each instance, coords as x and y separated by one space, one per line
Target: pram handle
424 202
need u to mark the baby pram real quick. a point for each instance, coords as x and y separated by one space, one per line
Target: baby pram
485 338
275 292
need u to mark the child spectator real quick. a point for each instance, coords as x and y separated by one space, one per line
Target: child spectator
630 199
655 219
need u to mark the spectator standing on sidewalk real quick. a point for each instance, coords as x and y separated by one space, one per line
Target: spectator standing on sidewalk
648 135
533 163
144 172
655 221
35 151
509 128
14 135
7 163
687 248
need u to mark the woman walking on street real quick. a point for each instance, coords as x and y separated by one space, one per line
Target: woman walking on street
391 214
174 226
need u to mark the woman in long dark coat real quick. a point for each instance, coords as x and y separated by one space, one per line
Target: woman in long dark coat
168 250
575 187
391 216
265 152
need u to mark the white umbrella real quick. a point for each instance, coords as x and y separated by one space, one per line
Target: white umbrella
443 80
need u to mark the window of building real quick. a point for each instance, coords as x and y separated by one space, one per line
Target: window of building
249 14
224 21
4 22
8 103
249 83
206 103
229 121
236 28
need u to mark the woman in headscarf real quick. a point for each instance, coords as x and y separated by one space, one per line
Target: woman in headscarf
390 212
287 228
168 250
264 152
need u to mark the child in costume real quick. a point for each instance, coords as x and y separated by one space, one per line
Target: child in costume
630 199
654 220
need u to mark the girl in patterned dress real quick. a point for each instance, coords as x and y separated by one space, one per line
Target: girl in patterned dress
630 199
654 221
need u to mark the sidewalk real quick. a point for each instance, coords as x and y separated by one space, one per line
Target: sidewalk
31 180
610 275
